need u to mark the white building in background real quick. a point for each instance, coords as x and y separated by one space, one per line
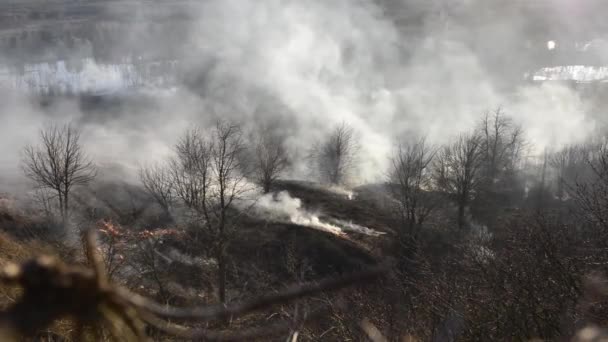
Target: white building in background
87 76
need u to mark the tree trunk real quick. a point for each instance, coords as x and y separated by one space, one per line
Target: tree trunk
461 214
221 274
541 191
65 207
61 207
221 257
266 187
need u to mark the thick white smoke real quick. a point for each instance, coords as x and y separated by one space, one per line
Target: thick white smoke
284 208
334 61
303 67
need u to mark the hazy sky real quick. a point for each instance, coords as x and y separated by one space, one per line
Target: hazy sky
391 70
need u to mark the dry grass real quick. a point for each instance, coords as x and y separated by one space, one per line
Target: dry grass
77 301
12 250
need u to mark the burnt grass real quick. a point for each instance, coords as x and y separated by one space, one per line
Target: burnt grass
264 254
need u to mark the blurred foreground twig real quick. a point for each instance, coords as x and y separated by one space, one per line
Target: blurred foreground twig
53 290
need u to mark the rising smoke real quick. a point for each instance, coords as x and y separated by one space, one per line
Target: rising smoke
388 69
283 207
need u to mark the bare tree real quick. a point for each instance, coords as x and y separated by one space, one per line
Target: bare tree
591 195
502 144
458 171
230 186
58 163
571 164
207 177
410 181
270 159
191 171
157 182
336 157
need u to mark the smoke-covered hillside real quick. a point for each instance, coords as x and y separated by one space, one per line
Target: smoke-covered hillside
378 66
207 154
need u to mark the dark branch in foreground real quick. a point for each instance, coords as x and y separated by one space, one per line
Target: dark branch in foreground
274 329
53 290
236 309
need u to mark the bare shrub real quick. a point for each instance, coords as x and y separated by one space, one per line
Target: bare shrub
410 182
591 194
458 171
271 159
335 158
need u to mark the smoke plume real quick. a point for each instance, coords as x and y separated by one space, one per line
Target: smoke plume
390 70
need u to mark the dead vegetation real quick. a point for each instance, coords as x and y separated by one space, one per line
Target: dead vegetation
480 246
53 290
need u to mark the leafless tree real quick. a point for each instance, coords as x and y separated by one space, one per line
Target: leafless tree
230 185
571 164
410 181
502 145
458 171
207 177
270 159
336 157
58 163
190 172
157 182
591 195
